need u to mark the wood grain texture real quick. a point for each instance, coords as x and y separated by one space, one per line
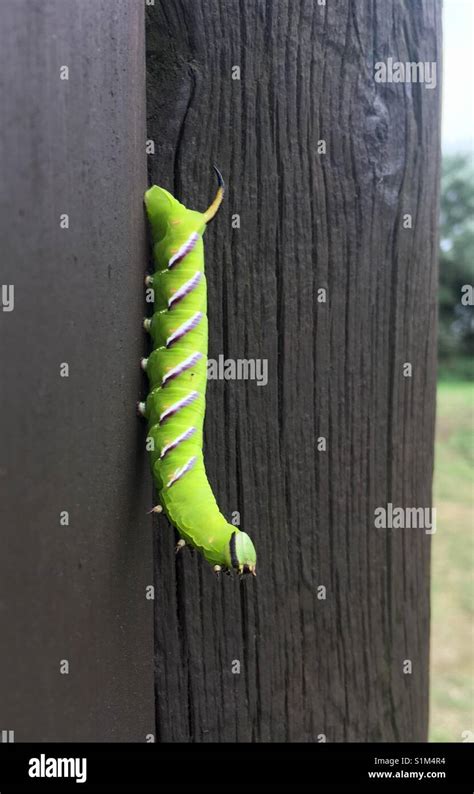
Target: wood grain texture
74 592
308 221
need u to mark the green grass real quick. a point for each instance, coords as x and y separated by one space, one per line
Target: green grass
452 591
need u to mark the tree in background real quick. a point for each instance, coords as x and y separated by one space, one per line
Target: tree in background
456 314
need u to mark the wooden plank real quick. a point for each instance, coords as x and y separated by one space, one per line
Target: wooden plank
74 592
309 667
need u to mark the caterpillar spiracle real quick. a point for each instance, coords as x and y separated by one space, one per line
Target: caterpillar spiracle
177 373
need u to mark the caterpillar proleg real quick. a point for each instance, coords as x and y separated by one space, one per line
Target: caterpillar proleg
177 373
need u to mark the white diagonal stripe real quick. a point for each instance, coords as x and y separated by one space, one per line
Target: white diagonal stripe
183 437
183 329
184 249
179 472
178 405
183 291
181 367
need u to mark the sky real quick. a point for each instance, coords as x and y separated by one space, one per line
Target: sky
458 76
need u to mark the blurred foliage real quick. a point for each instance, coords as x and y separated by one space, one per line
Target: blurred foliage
456 269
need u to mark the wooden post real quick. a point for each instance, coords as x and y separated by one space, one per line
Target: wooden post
322 262
76 624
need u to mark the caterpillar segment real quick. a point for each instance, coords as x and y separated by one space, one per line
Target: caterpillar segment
177 373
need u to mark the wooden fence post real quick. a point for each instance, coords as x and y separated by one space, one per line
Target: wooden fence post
322 263
76 561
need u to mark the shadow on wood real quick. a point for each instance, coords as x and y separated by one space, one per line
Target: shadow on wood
76 555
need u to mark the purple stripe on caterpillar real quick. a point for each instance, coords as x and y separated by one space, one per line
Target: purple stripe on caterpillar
184 328
185 289
177 406
184 250
188 362
182 471
173 444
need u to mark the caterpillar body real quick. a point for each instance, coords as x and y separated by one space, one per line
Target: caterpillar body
177 373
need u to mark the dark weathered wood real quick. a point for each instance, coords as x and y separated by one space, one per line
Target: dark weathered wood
308 221
74 592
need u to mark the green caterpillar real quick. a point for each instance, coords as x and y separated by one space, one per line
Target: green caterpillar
177 372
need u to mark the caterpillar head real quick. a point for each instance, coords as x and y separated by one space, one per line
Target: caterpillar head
241 553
